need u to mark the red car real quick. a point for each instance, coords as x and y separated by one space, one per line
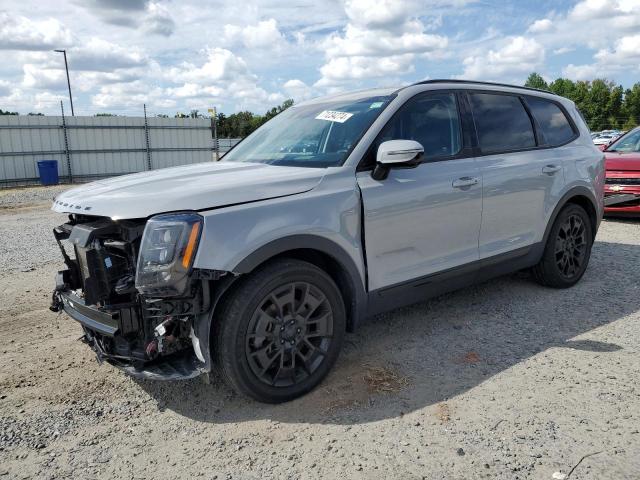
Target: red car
622 188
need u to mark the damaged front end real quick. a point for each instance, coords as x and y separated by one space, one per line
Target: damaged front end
131 286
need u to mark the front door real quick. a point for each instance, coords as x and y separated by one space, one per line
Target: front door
422 220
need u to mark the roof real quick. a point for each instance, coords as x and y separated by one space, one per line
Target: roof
374 92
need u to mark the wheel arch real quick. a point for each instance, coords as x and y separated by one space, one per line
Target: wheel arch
581 196
324 254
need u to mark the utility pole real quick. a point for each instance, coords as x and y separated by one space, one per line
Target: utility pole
66 67
214 130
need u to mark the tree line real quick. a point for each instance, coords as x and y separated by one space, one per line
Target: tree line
603 104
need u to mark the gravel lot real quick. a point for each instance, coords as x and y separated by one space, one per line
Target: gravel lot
505 380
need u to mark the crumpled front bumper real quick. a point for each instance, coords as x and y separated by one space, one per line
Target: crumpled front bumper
88 316
96 322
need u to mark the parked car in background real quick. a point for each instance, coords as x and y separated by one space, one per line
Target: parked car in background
622 185
337 209
603 140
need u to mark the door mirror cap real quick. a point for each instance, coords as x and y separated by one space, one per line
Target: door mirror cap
399 153
396 154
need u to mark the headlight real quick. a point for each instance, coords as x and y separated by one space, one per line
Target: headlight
169 245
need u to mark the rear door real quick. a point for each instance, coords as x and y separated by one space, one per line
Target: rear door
422 220
521 177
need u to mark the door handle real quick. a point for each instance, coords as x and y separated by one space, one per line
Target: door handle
550 169
464 182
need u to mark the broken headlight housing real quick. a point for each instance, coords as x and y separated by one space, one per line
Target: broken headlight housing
168 247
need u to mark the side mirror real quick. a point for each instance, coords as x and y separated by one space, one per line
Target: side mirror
396 154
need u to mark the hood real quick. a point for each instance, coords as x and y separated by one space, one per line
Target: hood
616 161
189 187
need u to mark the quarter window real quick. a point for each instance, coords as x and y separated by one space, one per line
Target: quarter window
552 121
502 123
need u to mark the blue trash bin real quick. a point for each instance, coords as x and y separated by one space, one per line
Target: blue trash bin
48 170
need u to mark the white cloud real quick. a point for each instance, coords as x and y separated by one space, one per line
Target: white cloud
625 55
5 88
364 42
540 26
581 72
381 14
100 55
95 62
48 100
20 33
517 56
43 78
222 78
158 20
340 69
152 17
625 52
382 38
264 34
221 64
563 50
599 9
125 96
592 23
297 89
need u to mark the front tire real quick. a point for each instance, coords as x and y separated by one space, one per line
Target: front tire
568 249
279 333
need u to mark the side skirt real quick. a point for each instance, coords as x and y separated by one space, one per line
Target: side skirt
421 289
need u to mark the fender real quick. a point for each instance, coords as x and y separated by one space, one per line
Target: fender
354 275
573 192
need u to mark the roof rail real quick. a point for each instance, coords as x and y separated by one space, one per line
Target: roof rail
465 82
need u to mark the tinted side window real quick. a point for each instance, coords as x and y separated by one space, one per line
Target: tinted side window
431 120
552 121
502 122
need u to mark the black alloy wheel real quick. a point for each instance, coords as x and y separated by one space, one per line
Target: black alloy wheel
289 334
571 246
279 331
567 250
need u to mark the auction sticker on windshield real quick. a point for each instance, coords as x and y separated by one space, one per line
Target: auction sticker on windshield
334 116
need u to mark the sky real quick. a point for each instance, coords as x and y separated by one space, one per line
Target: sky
179 55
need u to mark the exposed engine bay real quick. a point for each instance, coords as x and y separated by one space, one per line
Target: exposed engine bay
144 321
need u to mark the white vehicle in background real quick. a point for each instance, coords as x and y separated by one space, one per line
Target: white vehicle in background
605 139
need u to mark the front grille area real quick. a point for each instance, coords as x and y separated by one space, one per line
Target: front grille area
98 290
623 181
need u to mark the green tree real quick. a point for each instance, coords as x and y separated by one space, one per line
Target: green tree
630 110
596 102
563 87
3 112
603 103
614 106
535 80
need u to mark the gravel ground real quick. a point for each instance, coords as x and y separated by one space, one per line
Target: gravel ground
505 380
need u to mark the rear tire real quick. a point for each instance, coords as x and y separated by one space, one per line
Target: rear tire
279 333
568 249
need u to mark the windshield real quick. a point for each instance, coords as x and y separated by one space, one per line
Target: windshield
628 143
316 135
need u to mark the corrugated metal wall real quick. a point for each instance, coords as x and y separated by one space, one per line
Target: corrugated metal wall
100 146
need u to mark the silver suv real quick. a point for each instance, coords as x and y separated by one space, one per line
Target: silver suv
337 209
